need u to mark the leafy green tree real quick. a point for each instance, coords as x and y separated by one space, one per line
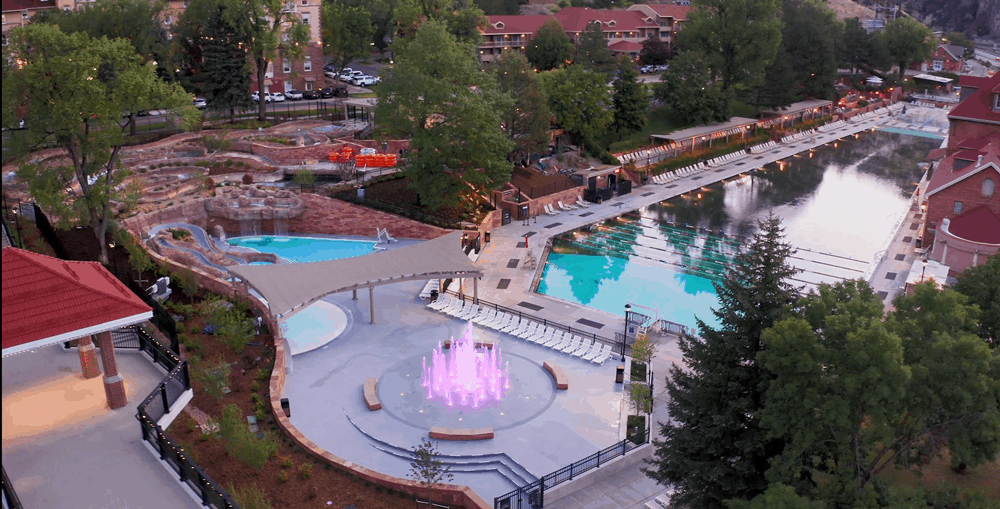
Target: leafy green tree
779 89
629 99
304 178
739 38
687 90
855 45
467 23
960 39
436 95
809 43
381 13
273 30
72 89
526 122
982 286
226 84
715 449
499 7
640 399
907 40
579 100
464 20
777 496
654 52
550 47
592 50
347 33
427 467
853 395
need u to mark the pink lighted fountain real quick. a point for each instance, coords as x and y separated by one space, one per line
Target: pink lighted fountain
466 375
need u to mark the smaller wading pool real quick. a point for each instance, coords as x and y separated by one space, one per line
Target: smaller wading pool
306 249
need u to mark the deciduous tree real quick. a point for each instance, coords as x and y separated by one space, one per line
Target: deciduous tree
982 286
907 40
580 101
592 50
739 38
347 33
654 52
809 45
72 89
436 95
687 89
550 47
526 122
629 99
714 449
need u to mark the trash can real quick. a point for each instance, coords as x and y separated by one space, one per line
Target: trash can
620 374
486 237
286 407
434 295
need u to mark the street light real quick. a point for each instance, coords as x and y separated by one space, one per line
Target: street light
628 307
114 259
923 270
647 158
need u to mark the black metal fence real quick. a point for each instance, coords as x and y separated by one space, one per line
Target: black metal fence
532 495
10 499
615 344
158 404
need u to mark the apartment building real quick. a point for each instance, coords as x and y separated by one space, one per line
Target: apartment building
623 29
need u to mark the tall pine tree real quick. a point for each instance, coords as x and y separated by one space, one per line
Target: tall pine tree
629 99
226 68
714 448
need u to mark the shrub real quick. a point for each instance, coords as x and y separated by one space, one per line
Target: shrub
250 496
286 461
305 470
213 379
234 329
255 387
282 476
261 415
247 179
186 280
241 443
263 374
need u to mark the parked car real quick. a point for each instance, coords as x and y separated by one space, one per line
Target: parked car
349 76
267 97
647 69
660 68
363 80
310 94
199 103
326 92
294 95
278 97
330 73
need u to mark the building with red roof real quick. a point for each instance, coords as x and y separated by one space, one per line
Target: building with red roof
49 301
18 13
978 115
962 207
624 29
946 57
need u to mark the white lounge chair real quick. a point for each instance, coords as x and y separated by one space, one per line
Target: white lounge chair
457 307
521 327
584 347
442 302
581 202
599 360
555 339
541 335
573 344
566 207
548 210
469 312
530 331
512 325
595 351
484 316
501 320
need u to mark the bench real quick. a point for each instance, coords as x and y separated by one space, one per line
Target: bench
371 399
488 344
461 434
562 383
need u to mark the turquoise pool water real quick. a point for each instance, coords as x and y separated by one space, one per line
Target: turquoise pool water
838 206
306 249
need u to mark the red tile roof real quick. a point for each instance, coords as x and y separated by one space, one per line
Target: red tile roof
575 19
45 297
978 224
972 81
626 47
945 175
979 106
678 12
515 24
20 5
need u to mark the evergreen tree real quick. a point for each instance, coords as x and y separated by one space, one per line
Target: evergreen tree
225 67
592 50
780 88
550 47
714 448
629 99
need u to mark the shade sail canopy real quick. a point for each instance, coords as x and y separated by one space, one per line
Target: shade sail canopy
289 288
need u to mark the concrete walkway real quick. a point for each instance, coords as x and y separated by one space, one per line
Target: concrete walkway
62 446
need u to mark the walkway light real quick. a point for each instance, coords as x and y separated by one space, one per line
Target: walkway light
628 308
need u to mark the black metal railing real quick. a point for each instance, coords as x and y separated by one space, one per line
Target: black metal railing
532 495
521 315
10 499
134 337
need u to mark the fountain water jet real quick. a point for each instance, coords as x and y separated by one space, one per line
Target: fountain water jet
466 374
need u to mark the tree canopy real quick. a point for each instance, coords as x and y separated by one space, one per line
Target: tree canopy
580 101
809 45
226 69
982 286
687 89
654 51
907 40
347 32
72 90
550 47
436 95
738 38
715 449
629 100
526 122
592 50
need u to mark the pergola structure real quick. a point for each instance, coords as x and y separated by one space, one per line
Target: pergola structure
290 288
693 137
48 301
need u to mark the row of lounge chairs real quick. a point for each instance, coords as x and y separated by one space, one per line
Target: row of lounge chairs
671 176
799 136
552 210
649 154
831 126
763 147
428 288
727 158
524 328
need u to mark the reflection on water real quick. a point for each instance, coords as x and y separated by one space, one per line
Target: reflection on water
838 205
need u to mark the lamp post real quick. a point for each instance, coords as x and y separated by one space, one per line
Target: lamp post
114 259
628 307
648 153
923 270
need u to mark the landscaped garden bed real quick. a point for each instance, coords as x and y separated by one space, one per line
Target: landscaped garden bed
392 194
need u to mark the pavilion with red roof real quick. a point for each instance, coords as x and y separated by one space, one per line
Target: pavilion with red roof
48 301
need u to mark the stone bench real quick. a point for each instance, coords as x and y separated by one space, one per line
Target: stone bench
562 383
488 344
461 434
371 399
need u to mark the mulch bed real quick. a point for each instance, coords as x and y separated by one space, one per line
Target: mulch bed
396 192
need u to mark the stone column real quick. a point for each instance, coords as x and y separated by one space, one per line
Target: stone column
88 358
371 303
355 294
114 385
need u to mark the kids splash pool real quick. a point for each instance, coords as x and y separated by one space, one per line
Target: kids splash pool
305 249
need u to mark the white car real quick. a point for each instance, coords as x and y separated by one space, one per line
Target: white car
330 73
278 97
199 103
293 95
256 97
363 80
349 76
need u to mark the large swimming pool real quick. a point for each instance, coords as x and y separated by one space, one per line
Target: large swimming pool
306 249
838 204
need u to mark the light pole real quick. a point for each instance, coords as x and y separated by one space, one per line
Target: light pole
923 270
114 259
628 307
648 153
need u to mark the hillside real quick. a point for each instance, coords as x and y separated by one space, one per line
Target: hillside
980 18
